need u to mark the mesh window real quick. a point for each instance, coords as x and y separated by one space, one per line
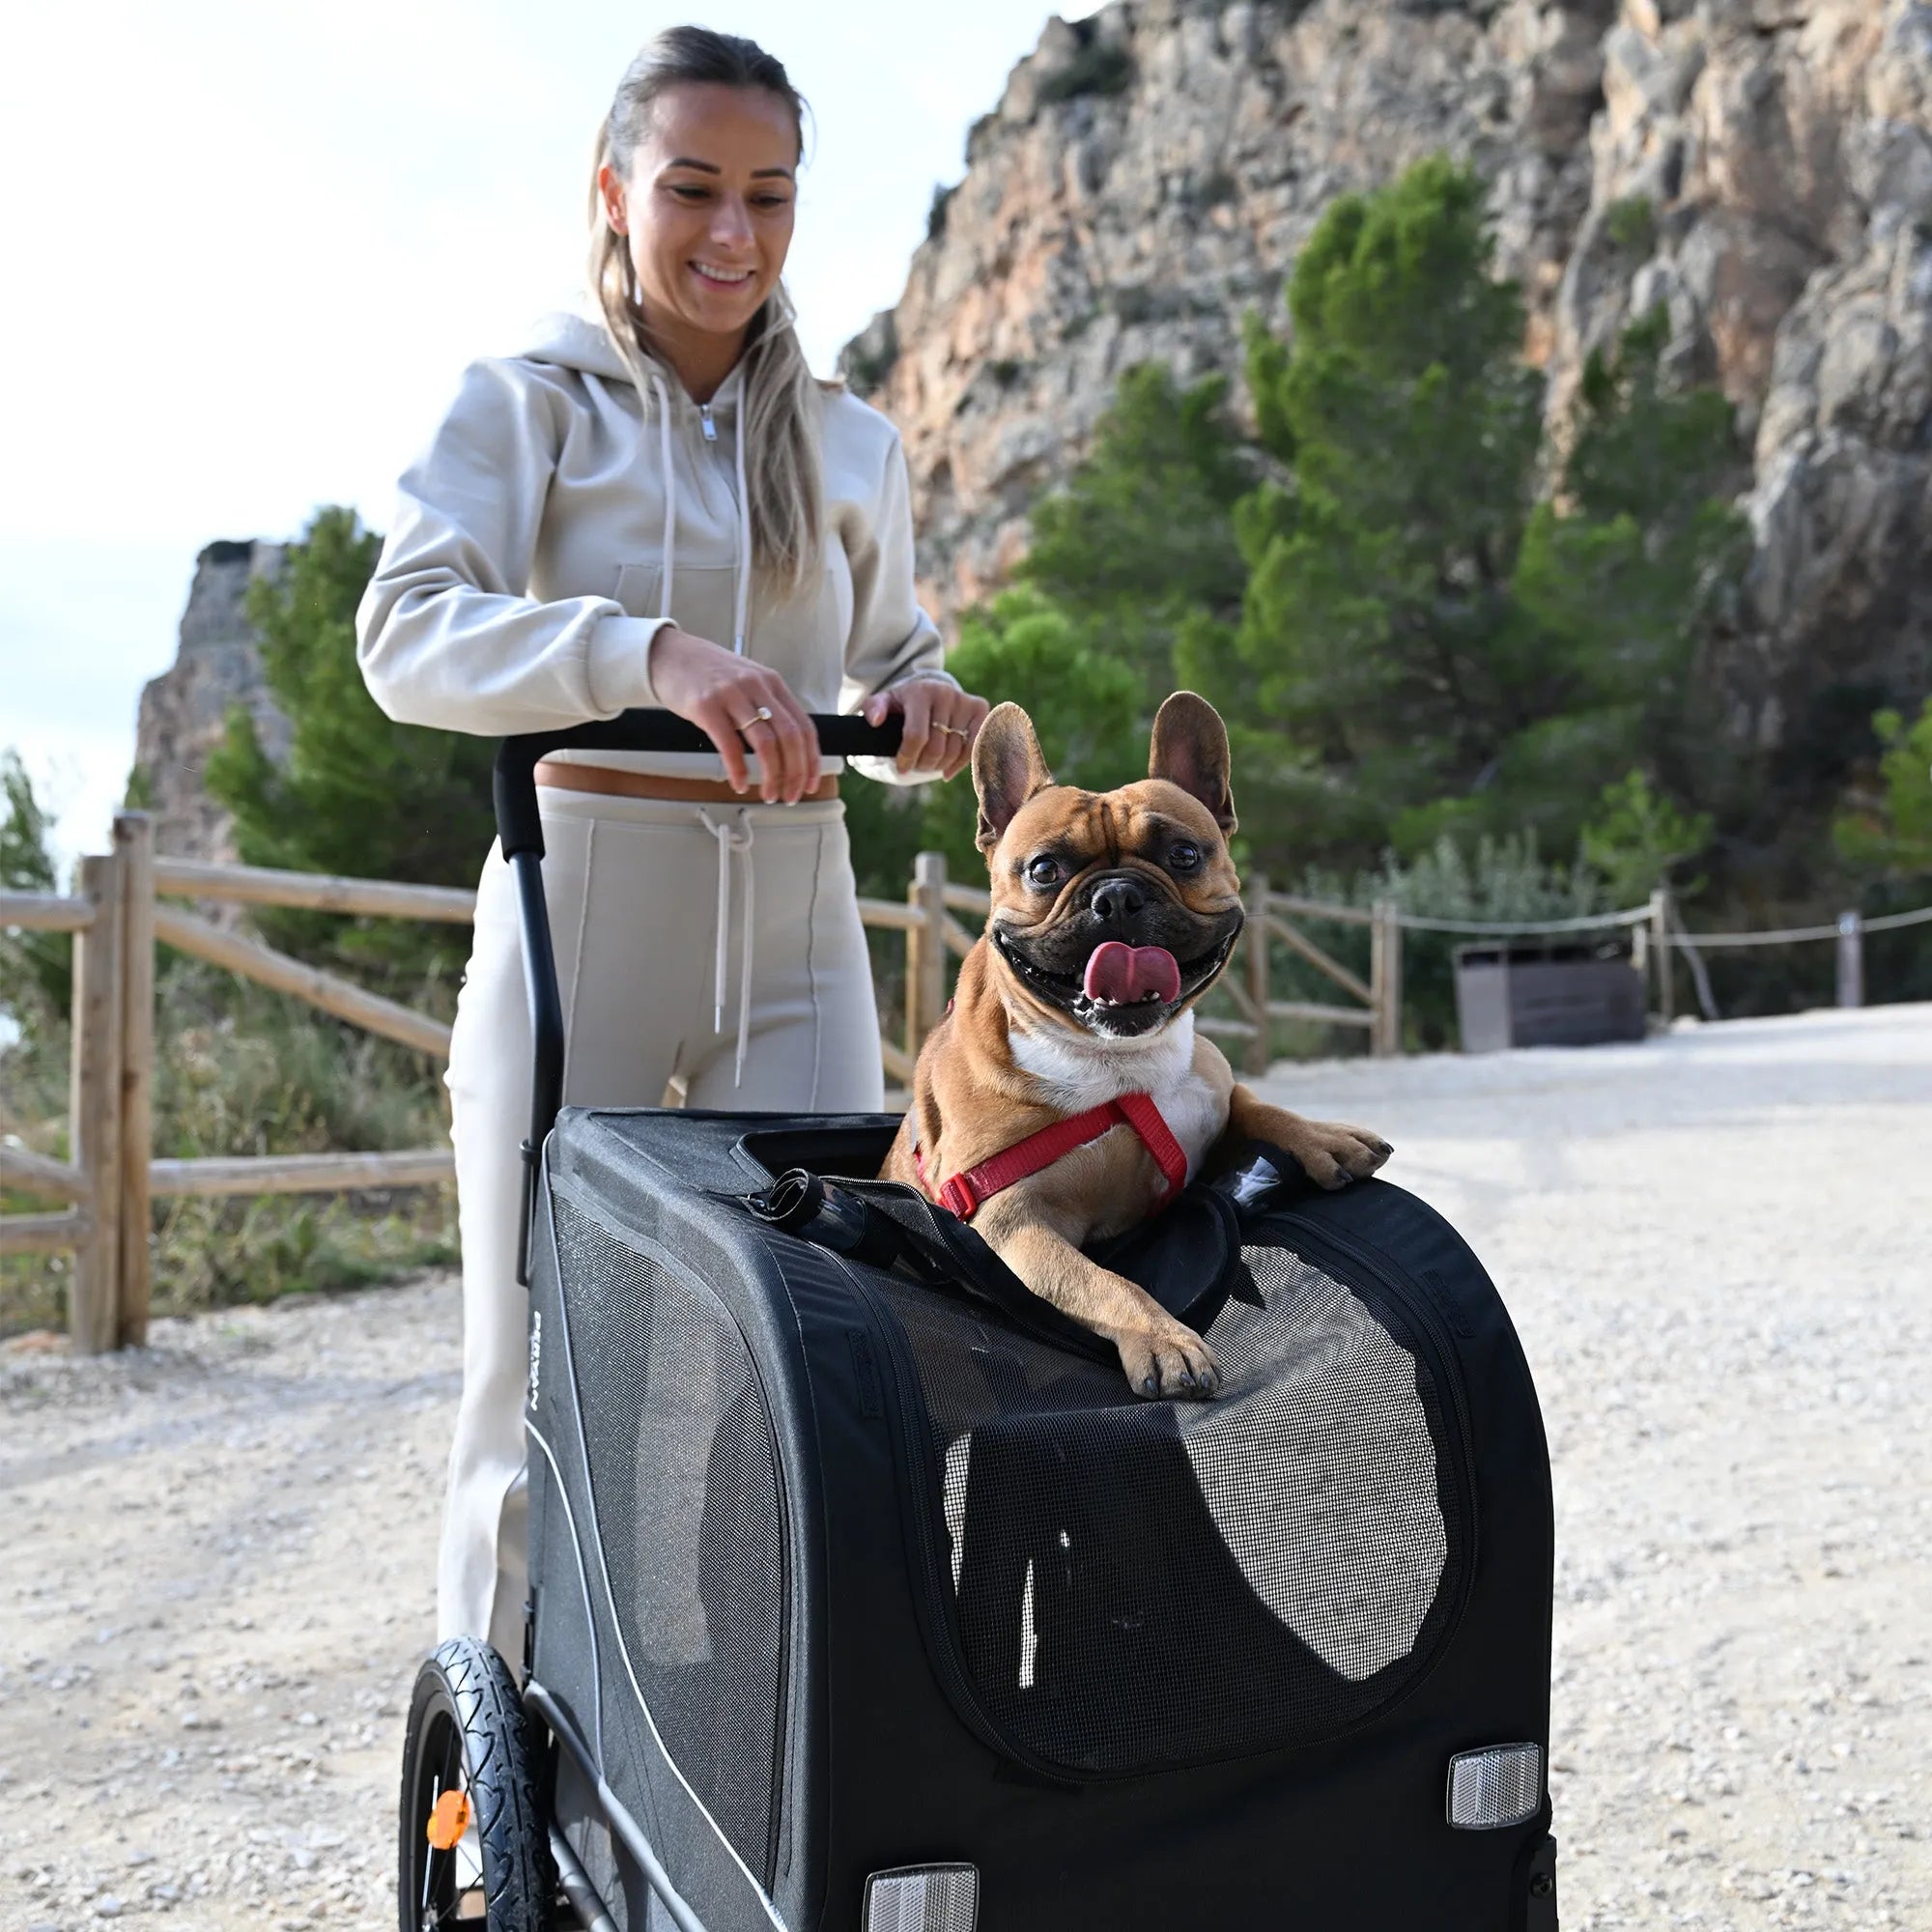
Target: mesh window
684 1480
1138 1585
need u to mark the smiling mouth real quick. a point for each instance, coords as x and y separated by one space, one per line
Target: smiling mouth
1068 990
719 279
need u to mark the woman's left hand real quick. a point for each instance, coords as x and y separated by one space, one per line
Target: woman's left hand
941 722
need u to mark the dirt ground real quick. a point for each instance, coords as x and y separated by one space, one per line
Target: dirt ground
218 1573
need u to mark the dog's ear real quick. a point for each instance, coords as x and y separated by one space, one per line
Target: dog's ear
1190 749
1007 769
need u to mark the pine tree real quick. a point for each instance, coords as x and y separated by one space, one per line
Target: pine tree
1440 647
357 792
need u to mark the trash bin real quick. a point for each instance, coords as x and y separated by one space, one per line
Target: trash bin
1522 993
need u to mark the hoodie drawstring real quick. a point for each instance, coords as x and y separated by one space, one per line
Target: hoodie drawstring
733 839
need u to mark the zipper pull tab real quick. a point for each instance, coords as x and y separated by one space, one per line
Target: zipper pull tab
710 427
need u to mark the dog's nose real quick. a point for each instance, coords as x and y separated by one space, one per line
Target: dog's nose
1117 899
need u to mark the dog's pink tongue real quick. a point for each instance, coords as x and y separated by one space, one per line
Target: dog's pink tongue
1125 974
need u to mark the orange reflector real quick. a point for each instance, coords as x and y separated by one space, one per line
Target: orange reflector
450 1819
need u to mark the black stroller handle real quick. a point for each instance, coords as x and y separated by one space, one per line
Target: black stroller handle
519 831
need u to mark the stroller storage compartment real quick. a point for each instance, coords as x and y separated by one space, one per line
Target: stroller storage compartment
866 1594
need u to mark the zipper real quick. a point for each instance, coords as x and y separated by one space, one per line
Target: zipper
709 427
1432 1327
916 1455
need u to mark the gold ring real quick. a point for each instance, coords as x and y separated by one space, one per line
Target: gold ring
762 716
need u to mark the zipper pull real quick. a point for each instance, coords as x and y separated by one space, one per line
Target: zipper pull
710 427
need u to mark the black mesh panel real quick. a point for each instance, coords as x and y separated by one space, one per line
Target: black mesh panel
685 1482
1137 1586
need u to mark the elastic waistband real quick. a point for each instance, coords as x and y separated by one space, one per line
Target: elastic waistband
687 814
613 783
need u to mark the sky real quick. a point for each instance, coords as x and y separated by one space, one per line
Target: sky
251 249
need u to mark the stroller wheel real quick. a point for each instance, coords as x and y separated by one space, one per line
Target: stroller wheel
474 1848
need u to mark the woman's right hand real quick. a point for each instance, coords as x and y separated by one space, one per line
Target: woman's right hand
723 693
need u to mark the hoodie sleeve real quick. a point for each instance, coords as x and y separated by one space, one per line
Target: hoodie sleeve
891 638
446 633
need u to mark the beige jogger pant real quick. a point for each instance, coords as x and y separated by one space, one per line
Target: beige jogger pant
635 889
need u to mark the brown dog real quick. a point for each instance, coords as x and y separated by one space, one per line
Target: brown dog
1113 913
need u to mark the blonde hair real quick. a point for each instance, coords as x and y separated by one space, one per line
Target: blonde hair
782 399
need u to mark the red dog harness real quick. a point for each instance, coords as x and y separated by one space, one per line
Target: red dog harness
965 1192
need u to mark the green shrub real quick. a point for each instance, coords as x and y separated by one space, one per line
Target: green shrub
1632 224
241 1071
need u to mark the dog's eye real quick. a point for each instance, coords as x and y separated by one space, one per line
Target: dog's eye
1183 857
1042 871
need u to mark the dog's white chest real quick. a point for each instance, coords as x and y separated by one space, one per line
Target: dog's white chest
1082 1073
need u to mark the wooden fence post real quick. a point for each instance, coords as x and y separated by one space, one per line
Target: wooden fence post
926 950
135 846
1659 951
1260 1045
94 1292
1385 979
1851 960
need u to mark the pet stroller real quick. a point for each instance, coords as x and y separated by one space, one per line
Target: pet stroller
865 1596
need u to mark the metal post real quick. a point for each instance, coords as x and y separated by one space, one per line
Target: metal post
1660 949
134 845
1259 1045
926 950
94 1296
1851 960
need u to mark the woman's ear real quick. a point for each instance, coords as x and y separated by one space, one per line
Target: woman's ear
611 193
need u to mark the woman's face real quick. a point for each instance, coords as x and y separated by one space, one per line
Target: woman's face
708 206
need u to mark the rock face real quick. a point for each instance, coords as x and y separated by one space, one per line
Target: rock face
185 710
1763 168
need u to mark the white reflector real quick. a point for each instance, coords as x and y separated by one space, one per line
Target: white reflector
1488 1789
922 1898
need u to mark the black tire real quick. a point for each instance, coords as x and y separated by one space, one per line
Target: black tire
468 1725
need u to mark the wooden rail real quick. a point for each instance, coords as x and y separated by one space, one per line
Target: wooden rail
342 998
314 892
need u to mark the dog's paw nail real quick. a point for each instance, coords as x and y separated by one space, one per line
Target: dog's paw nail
1150 1384
1186 1380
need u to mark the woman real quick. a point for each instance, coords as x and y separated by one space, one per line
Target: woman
656 505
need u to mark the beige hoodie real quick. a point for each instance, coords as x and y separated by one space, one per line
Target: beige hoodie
548 534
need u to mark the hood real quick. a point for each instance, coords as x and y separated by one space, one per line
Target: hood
576 339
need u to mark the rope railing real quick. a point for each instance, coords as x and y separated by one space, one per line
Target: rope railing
1793 935
1487 929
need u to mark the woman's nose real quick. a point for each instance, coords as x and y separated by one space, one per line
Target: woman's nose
731 224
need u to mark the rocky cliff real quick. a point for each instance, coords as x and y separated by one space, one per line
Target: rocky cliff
1762 168
185 710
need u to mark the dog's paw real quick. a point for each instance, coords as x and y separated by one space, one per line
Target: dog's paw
1333 1154
1169 1359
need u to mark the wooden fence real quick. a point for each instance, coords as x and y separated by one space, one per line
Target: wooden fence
121 911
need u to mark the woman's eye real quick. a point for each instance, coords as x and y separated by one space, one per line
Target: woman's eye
1042 871
690 192
1184 857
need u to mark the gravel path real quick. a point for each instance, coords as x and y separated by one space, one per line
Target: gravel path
219 1573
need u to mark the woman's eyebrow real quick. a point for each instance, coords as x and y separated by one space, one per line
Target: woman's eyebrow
708 169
